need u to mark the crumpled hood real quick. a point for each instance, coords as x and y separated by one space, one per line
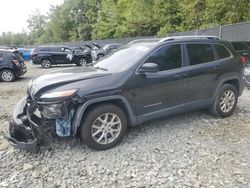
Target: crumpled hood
55 79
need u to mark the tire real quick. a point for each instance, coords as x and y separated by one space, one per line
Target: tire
96 134
99 56
225 102
82 61
46 63
7 75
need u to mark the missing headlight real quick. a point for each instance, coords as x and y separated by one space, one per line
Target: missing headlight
53 111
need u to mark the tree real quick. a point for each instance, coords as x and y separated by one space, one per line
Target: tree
36 24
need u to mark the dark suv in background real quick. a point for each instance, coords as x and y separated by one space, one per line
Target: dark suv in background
47 56
11 65
243 48
101 52
139 82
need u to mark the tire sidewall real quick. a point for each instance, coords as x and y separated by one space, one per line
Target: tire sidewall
88 121
218 98
13 75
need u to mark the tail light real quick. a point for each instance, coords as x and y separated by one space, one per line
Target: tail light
244 60
17 63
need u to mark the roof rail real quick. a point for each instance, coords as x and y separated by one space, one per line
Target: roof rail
190 37
145 40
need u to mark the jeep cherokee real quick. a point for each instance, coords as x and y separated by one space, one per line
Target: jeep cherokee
141 81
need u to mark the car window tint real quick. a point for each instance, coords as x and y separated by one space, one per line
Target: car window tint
239 46
222 51
167 57
1 56
44 49
200 53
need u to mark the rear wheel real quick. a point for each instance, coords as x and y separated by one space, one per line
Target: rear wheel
225 101
46 63
81 61
100 56
7 75
103 127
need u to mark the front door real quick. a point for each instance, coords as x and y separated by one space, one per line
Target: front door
155 93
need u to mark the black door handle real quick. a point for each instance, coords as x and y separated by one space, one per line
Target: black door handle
181 75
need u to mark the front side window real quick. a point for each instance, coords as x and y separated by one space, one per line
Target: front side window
200 53
167 57
222 51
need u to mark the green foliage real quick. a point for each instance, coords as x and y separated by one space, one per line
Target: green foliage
101 19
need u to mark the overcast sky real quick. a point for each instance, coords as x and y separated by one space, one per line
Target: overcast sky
14 13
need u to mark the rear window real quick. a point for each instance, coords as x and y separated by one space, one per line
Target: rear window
222 51
17 55
200 53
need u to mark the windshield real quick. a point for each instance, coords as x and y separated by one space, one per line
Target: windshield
123 58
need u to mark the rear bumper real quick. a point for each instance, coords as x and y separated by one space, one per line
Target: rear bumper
247 76
21 71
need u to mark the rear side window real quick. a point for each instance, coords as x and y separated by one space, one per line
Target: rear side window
1 56
45 50
167 57
200 53
222 51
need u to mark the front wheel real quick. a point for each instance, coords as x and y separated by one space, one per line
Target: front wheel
225 101
103 127
7 75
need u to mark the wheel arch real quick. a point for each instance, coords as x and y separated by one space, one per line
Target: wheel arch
49 58
119 101
233 80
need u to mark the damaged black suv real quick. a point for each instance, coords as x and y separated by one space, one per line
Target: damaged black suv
141 81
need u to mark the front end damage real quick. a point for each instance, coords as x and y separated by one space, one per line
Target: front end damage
35 122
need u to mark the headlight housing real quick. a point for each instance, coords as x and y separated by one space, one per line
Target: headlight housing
59 94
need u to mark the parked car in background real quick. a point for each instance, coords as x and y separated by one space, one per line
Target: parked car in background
25 53
243 48
11 65
139 82
47 56
101 52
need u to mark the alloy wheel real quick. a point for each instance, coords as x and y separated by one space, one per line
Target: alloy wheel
46 63
82 62
7 76
106 128
227 101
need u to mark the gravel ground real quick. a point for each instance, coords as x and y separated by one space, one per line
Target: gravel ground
190 150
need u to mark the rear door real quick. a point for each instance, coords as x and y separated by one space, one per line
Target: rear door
60 55
204 71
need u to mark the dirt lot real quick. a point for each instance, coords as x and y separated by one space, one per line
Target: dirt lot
190 150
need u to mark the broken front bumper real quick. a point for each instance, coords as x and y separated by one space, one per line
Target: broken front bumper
26 132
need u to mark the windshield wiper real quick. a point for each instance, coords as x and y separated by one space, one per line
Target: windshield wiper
100 68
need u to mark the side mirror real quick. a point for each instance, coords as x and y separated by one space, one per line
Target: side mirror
149 67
